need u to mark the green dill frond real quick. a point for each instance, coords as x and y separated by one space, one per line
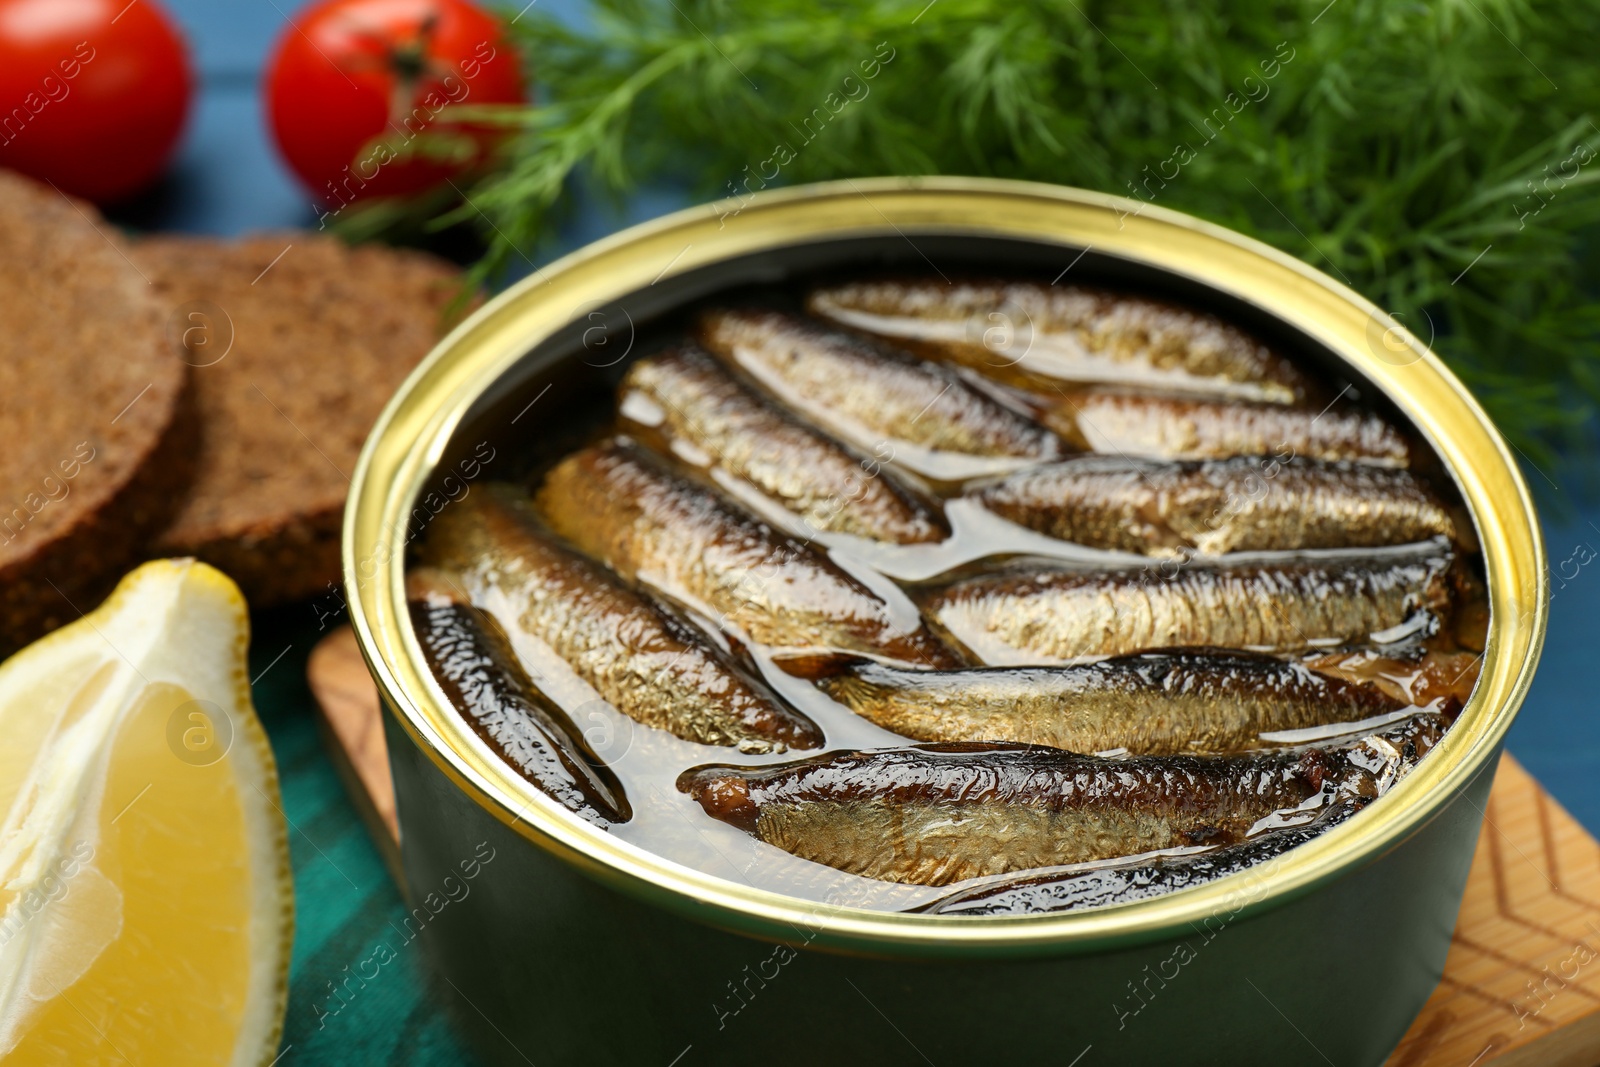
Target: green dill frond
1442 158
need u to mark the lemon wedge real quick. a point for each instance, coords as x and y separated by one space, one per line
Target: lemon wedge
146 906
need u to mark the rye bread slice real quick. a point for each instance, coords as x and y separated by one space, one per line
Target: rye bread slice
321 336
98 443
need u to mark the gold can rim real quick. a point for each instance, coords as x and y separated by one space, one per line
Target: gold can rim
411 433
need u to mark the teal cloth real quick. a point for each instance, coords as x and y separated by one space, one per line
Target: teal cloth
348 911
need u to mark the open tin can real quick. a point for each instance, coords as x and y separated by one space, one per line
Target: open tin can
569 945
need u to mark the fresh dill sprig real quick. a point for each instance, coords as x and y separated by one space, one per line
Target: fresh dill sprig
1440 157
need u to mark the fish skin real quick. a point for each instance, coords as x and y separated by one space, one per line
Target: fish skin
869 393
1163 508
1019 331
1040 613
479 672
1174 427
641 659
755 440
1103 887
938 814
1158 703
627 507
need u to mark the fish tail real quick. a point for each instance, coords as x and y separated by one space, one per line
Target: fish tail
864 696
817 666
851 690
838 676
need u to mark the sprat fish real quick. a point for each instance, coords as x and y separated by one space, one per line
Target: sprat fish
937 814
886 402
644 661
700 408
1155 703
628 507
480 674
1045 613
1123 422
1016 330
1213 507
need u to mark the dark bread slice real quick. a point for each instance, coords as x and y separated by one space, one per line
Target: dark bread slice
322 335
98 441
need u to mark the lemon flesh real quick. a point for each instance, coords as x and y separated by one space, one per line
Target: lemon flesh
145 897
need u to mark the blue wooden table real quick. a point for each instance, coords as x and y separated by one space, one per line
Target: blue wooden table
228 180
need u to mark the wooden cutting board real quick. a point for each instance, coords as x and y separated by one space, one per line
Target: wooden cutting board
1521 985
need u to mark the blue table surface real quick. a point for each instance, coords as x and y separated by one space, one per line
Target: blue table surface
228 180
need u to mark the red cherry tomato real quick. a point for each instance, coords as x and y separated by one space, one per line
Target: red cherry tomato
93 93
360 93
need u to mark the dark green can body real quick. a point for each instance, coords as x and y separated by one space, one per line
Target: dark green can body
546 965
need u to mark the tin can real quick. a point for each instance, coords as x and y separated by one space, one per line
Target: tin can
558 943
